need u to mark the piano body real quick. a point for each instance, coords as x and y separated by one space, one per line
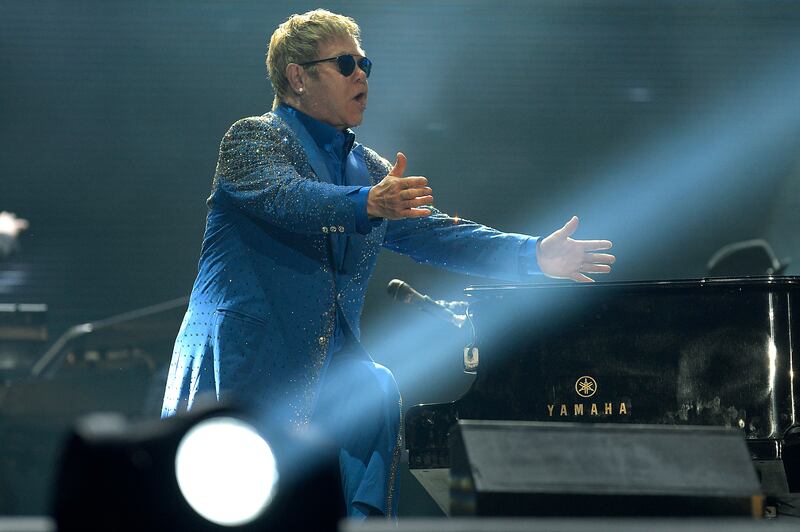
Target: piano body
694 352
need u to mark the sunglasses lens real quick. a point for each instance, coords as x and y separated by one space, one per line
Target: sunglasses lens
346 64
366 65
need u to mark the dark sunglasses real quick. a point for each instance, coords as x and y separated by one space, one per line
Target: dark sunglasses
346 64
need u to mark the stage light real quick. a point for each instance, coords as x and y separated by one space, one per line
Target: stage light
226 471
211 469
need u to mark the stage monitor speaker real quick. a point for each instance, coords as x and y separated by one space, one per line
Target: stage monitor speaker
512 468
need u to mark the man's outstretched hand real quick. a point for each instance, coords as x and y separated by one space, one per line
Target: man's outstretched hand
397 197
562 257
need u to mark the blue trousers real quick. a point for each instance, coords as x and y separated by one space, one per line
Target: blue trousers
358 403
359 406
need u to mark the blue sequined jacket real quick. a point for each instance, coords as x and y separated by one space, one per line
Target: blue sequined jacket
262 309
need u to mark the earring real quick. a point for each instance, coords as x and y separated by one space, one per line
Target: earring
300 90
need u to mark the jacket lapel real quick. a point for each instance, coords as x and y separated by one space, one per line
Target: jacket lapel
314 154
356 170
355 173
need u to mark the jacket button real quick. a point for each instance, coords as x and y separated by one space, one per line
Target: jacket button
341 229
332 229
324 229
321 340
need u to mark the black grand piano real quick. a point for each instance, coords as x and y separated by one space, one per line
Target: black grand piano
696 352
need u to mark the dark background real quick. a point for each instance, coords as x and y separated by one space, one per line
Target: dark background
671 128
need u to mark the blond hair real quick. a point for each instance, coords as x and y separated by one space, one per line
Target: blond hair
297 40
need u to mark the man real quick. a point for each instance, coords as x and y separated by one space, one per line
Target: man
297 215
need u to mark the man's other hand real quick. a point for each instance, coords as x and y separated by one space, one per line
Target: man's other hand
561 257
397 197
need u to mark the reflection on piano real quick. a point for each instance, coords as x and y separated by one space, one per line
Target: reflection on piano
697 352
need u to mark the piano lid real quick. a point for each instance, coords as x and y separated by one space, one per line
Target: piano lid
778 282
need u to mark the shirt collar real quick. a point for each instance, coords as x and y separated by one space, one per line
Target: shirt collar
326 136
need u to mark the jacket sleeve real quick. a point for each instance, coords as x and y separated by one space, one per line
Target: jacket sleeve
460 245
456 244
264 171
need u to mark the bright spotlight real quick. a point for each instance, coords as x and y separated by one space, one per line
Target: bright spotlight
226 471
211 469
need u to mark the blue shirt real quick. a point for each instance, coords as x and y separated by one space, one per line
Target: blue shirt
336 145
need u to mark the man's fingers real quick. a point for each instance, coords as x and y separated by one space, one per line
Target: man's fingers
595 245
569 228
414 182
399 165
595 268
422 200
397 197
416 213
411 193
577 276
602 258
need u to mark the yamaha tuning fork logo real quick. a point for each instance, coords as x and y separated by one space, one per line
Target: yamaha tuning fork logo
586 387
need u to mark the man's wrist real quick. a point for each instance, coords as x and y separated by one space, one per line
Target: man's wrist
364 221
529 257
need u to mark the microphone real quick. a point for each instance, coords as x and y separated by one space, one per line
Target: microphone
402 292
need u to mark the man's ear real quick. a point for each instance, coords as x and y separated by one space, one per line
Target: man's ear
295 76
